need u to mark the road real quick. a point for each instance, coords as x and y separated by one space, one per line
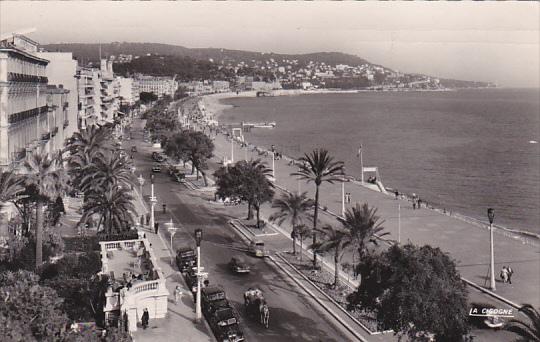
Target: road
292 316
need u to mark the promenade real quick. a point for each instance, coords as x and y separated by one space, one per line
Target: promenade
465 242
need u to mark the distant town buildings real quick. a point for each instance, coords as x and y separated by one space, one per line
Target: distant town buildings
158 85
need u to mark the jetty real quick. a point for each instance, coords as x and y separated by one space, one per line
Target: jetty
247 126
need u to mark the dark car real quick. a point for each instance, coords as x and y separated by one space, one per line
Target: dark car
224 322
156 168
159 157
239 265
186 258
211 297
191 278
133 148
179 177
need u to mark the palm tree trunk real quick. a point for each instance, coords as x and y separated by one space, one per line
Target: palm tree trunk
315 214
336 270
294 243
39 233
204 178
258 208
301 248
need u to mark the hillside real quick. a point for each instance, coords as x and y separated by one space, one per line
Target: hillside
90 52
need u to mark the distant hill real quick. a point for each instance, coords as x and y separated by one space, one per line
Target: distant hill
90 52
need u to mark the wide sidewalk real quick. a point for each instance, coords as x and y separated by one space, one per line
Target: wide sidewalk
179 324
467 243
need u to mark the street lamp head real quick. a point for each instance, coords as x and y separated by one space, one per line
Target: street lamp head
491 215
198 236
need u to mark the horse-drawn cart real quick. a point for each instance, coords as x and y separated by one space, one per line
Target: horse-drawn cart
256 306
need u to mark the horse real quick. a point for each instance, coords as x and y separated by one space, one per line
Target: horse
265 313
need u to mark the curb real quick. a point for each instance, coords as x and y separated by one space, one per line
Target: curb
309 292
491 293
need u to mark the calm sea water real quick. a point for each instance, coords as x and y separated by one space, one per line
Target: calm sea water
465 150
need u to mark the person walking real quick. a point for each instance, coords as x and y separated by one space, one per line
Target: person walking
177 294
504 274
396 193
510 273
156 227
145 317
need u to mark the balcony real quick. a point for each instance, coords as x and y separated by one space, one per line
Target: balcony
66 123
54 131
18 156
120 257
46 136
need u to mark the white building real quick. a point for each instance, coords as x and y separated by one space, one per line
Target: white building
129 91
158 85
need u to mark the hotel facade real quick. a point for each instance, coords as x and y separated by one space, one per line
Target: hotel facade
32 112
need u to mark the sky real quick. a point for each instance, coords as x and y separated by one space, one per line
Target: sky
483 41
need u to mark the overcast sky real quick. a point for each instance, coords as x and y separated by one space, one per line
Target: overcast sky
485 41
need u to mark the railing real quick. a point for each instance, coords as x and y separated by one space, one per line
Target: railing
144 287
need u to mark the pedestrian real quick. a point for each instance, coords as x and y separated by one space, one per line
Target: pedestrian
419 203
156 227
396 193
142 220
504 274
510 273
177 294
145 317
414 203
164 208
147 219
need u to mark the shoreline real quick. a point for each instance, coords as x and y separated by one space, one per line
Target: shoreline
213 108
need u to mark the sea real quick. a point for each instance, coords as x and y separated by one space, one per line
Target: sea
464 151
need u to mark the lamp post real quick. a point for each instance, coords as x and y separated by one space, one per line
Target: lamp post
491 216
172 230
232 149
153 201
273 165
198 239
399 223
343 194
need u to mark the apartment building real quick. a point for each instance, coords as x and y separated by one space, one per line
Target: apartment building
32 113
129 91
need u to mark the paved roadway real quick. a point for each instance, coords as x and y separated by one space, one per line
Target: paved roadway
292 316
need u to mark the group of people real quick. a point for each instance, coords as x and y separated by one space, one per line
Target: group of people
506 274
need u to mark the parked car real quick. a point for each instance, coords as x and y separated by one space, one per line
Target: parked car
186 258
156 168
191 279
159 157
213 297
224 322
133 148
239 265
256 248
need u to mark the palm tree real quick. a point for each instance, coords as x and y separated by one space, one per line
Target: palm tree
46 176
364 226
336 240
106 173
319 167
528 331
293 207
11 187
115 208
302 232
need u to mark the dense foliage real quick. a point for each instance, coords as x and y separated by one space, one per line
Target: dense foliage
416 291
247 181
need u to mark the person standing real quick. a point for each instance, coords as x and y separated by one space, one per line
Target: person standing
510 273
145 317
396 193
177 294
156 227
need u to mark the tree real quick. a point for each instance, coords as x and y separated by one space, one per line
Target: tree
335 240
29 312
247 181
527 331
193 146
10 187
293 207
47 178
319 167
106 173
115 208
146 97
302 232
415 291
364 226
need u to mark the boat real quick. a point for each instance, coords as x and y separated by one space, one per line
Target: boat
265 125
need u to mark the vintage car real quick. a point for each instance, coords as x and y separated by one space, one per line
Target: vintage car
156 168
186 258
133 148
179 177
256 248
212 298
191 279
224 323
238 265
